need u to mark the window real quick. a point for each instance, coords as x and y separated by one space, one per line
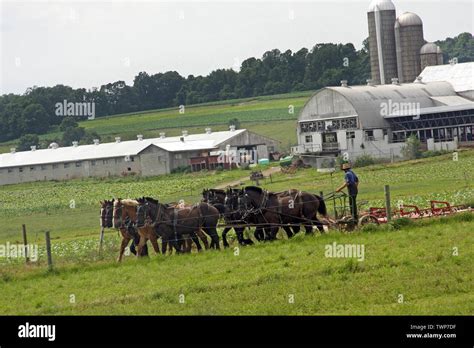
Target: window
129 169
369 135
78 164
308 139
93 163
55 166
132 159
43 167
350 135
20 169
66 165
32 169
10 170
271 149
178 156
105 161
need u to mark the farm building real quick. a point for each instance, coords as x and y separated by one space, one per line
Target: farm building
377 119
144 157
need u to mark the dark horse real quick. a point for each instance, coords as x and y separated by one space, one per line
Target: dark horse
291 207
179 223
231 214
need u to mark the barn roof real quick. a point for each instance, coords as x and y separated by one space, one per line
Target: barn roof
191 142
367 101
460 76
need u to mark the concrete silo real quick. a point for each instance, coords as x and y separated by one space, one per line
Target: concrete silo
408 40
383 59
430 54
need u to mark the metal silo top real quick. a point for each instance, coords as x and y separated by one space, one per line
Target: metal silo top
407 19
429 48
381 5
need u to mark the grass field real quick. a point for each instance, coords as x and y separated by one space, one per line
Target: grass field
416 261
267 115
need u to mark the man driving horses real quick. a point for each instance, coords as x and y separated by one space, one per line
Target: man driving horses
351 181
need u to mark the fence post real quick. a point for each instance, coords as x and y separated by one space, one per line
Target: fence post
101 241
387 203
25 244
48 250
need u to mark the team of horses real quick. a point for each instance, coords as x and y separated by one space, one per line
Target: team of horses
180 225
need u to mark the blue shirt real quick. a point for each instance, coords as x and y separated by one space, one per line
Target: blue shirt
351 178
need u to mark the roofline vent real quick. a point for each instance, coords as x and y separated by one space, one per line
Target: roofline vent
162 135
208 130
140 137
395 81
33 147
185 133
344 83
419 79
96 141
12 150
53 145
232 127
75 143
118 139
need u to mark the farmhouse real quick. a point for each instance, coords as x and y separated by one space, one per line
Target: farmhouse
144 157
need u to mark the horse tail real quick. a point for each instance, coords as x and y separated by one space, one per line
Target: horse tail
322 206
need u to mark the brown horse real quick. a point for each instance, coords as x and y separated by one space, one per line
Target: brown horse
271 209
124 215
175 224
146 231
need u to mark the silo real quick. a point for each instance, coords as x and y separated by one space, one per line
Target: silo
430 54
383 58
408 40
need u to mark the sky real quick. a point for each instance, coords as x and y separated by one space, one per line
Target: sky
85 44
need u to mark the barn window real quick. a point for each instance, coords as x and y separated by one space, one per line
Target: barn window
350 135
55 166
10 170
66 165
78 164
105 161
308 138
43 167
32 169
93 163
178 156
20 169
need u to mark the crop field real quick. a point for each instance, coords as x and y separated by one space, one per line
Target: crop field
412 259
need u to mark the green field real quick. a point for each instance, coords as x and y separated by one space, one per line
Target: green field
268 115
415 260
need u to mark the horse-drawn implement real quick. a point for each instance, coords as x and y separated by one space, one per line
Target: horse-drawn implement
180 225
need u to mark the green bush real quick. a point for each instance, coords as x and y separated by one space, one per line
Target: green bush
364 160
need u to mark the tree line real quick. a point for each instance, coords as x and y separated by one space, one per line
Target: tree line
326 64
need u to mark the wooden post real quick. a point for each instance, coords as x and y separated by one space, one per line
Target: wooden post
48 250
387 203
25 243
101 241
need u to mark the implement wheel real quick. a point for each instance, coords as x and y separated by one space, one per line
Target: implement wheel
368 219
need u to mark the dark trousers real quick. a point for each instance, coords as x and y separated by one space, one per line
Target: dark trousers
353 205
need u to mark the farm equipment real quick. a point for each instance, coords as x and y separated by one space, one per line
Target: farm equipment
437 208
289 165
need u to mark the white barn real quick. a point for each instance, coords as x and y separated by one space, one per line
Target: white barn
146 157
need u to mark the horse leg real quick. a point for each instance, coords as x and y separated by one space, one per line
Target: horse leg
245 241
212 232
123 245
288 231
153 240
259 235
318 225
142 241
195 239
224 236
203 237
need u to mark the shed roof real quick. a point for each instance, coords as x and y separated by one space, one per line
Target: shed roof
203 141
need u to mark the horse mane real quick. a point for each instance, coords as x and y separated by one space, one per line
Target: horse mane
151 199
130 202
